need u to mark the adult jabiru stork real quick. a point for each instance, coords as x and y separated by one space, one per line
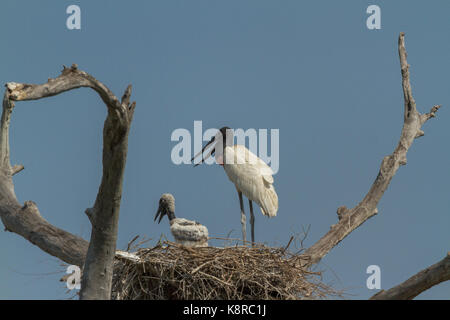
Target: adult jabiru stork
186 232
250 175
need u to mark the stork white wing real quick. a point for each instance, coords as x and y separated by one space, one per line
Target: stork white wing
252 176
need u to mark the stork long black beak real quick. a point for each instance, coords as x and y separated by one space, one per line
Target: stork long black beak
209 154
161 213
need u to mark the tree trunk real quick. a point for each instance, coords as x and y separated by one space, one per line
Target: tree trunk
97 255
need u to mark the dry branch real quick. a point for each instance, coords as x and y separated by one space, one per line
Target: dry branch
97 256
422 281
350 219
26 220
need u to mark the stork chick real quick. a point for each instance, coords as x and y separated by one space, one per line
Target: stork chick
186 232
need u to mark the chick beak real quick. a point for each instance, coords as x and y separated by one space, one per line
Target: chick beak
161 213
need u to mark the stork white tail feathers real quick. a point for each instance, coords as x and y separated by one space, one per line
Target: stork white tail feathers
269 203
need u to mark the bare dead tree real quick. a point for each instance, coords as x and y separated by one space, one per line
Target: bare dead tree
97 255
350 219
27 221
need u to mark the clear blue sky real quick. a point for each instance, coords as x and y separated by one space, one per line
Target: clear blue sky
308 68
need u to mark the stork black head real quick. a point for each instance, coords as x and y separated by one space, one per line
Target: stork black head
223 138
166 207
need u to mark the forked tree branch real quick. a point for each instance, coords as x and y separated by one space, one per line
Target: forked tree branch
350 219
26 220
422 281
98 254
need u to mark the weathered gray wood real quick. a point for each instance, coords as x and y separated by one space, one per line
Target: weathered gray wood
350 219
26 220
97 255
420 282
104 215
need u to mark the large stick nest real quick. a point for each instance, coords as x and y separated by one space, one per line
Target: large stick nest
172 271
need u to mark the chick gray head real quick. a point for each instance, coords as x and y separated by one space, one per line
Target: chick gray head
166 207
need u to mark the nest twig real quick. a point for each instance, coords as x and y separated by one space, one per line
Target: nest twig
172 271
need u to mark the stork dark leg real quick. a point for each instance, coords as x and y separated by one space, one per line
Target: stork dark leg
252 220
243 219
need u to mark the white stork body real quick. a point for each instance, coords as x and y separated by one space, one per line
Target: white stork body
186 232
189 233
252 177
